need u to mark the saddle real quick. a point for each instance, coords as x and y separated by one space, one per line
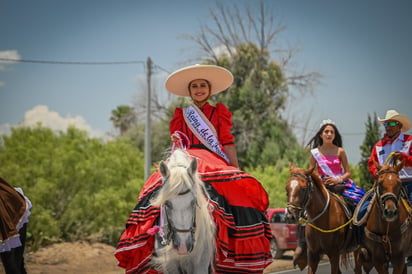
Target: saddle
347 207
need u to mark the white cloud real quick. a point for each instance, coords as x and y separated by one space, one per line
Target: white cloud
52 119
5 129
222 49
8 54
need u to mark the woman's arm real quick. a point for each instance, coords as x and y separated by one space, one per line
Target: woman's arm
345 164
232 155
312 162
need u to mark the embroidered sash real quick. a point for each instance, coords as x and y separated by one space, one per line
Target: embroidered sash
203 129
322 163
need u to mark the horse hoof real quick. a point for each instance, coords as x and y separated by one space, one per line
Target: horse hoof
365 254
300 258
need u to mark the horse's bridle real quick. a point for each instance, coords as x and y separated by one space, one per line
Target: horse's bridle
193 223
389 195
172 229
308 191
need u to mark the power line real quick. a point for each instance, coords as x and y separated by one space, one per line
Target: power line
9 60
342 133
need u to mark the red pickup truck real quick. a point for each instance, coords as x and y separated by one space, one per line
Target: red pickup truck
284 234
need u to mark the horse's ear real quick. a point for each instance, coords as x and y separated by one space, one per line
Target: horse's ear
193 166
164 170
291 166
399 166
377 165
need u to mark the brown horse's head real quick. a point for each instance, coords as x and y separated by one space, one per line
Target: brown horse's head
298 190
388 189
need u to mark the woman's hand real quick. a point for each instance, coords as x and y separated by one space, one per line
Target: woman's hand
331 181
174 137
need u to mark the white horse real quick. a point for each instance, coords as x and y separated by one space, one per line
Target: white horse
187 232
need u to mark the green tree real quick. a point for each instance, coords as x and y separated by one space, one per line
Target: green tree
243 43
80 187
371 138
123 117
259 94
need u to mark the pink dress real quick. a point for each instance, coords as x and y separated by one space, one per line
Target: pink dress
352 190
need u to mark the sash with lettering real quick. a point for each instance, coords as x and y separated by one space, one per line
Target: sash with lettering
322 164
203 129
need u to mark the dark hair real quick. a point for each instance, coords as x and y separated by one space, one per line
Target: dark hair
317 141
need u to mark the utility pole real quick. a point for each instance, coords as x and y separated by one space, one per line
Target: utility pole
148 150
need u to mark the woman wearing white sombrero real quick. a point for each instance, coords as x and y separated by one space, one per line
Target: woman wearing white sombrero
243 237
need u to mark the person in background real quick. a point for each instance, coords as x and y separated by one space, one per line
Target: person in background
331 160
243 233
14 216
328 154
394 140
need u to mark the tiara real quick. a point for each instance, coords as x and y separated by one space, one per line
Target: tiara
325 122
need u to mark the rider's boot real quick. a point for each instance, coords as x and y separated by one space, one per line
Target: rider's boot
300 256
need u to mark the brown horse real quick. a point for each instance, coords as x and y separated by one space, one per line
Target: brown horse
388 231
327 226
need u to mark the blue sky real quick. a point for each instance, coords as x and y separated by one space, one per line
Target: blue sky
363 49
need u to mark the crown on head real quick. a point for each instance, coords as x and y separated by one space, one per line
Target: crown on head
326 122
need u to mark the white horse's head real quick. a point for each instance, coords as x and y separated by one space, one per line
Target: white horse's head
188 224
180 206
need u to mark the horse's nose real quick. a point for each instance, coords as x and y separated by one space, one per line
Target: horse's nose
183 244
290 217
390 214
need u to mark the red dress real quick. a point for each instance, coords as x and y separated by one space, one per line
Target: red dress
240 201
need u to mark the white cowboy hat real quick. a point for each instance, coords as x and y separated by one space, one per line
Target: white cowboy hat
394 115
219 78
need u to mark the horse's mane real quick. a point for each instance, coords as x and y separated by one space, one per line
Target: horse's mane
180 180
313 175
317 180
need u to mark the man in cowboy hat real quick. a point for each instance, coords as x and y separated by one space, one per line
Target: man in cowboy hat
395 140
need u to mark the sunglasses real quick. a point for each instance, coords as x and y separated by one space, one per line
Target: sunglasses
392 124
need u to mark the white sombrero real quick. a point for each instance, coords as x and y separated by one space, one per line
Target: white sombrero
394 115
219 78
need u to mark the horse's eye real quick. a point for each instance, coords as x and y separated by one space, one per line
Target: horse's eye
168 204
